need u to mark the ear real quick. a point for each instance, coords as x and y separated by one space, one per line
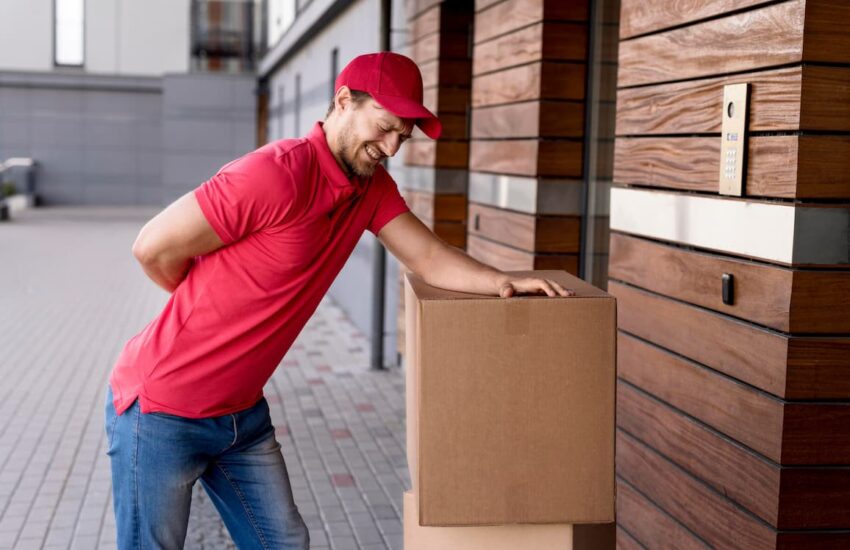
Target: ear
342 98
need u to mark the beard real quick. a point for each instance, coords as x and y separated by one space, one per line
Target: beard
350 157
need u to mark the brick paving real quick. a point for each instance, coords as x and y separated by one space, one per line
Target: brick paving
70 295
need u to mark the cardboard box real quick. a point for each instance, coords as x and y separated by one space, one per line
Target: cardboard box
499 537
510 405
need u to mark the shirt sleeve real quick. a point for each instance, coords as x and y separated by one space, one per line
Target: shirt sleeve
247 195
390 204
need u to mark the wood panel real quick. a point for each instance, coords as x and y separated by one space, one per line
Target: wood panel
714 519
425 24
544 80
446 72
437 154
453 233
642 17
540 42
416 7
648 526
627 542
447 99
529 120
784 299
449 45
440 207
801 167
526 231
512 259
763 37
787 433
786 366
449 17
527 157
513 14
426 49
795 98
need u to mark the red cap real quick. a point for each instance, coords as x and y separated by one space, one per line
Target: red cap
394 81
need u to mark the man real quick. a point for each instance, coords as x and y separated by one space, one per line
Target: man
247 257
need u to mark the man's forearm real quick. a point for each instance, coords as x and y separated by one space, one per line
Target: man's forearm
167 274
453 269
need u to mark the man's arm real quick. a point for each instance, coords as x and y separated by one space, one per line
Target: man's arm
444 266
167 244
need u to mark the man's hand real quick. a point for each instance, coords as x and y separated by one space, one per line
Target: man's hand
532 285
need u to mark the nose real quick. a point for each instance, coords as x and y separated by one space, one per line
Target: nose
391 144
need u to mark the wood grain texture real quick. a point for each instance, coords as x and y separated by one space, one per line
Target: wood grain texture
447 99
625 541
826 38
453 233
424 24
511 259
714 519
544 41
763 37
763 293
526 231
641 17
826 98
510 15
530 119
731 408
648 526
787 498
437 154
527 157
426 49
810 302
786 366
800 167
544 80
437 207
446 72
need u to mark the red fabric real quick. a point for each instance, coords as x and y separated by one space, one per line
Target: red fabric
394 81
290 219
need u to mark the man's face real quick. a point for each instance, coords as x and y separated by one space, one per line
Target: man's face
369 134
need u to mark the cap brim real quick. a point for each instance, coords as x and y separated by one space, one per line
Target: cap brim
405 108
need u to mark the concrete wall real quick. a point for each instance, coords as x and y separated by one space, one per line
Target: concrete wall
122 37
97 139
208 120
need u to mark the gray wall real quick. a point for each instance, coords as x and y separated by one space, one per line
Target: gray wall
97 139
208 120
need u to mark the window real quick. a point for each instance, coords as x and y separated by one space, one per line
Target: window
68 26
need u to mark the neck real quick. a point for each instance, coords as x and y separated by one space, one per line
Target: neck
331 129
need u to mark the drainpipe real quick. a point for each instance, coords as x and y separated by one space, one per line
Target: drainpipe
379 261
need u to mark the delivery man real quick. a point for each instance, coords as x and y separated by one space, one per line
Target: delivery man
247 257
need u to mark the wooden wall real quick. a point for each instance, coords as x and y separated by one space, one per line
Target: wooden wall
733 418
528 90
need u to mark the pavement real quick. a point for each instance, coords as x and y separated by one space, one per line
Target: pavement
71 294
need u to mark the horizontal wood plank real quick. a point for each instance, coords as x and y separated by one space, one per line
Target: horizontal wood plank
511 259
801 167
786 366
714 519
510 15
438 207
446 72
529 119
437 154
795 98
625 541
649 527
641 17
526 231
544 80
453 233
788 300
763 37
447 99
527 157
544 41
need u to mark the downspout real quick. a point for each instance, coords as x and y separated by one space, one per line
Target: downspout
379 261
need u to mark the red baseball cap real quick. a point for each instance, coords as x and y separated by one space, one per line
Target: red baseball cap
394 81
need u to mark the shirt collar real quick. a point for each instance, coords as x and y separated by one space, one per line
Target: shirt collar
328 163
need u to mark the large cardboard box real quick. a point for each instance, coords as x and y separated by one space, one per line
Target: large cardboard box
510 405
499 537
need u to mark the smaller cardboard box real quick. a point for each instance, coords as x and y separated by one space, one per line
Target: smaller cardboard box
498 537
510 405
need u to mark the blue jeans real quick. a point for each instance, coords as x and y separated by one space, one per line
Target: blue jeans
157 458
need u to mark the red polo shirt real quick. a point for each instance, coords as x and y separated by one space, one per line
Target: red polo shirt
289 218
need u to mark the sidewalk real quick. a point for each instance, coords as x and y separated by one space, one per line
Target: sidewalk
70 295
